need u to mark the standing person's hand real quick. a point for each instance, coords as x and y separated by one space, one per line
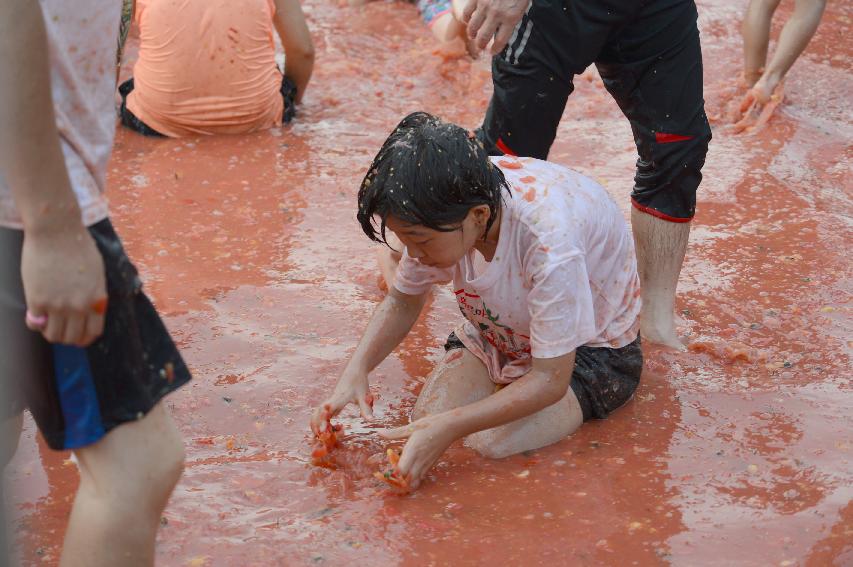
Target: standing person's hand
61 268
496 19
64 284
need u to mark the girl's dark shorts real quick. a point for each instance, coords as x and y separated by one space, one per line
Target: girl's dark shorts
603 378
78 395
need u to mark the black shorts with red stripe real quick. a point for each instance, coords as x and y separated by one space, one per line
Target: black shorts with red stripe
650 59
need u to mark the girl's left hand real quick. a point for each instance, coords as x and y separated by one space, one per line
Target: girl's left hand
429 437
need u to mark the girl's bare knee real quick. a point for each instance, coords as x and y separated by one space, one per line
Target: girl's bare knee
487 445
492 452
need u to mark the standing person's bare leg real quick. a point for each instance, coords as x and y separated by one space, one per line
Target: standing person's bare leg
657 80
766 84
756 38
661 246
10 432
795 36
125 482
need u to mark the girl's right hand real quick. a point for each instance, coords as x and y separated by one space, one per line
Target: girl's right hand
350 389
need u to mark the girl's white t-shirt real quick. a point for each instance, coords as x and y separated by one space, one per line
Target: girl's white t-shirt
564 273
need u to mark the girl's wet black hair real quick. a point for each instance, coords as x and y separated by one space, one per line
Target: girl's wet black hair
431 173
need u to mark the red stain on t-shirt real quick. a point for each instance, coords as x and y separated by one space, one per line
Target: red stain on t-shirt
528 179
510 164
530 195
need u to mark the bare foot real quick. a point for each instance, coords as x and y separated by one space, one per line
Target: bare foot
661 334
758 105
723 100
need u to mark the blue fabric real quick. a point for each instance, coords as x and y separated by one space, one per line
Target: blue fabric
77 397
431 9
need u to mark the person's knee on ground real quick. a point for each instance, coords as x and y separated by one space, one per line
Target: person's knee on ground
545 427
458 9
459 379
446 28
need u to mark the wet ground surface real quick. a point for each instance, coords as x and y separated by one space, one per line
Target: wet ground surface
737 452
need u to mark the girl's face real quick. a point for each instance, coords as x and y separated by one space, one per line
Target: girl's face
441 249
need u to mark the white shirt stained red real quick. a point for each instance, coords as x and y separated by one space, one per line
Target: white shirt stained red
563 275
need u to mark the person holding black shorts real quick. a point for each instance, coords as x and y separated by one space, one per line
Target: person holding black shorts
649 56
81 346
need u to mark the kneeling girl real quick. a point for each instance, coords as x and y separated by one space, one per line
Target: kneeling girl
542 266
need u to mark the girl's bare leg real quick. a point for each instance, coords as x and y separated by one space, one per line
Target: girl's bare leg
461 379
543 428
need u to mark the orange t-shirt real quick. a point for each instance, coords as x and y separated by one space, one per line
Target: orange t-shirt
206 67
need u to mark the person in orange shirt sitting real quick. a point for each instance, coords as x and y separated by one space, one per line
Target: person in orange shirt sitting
208 67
